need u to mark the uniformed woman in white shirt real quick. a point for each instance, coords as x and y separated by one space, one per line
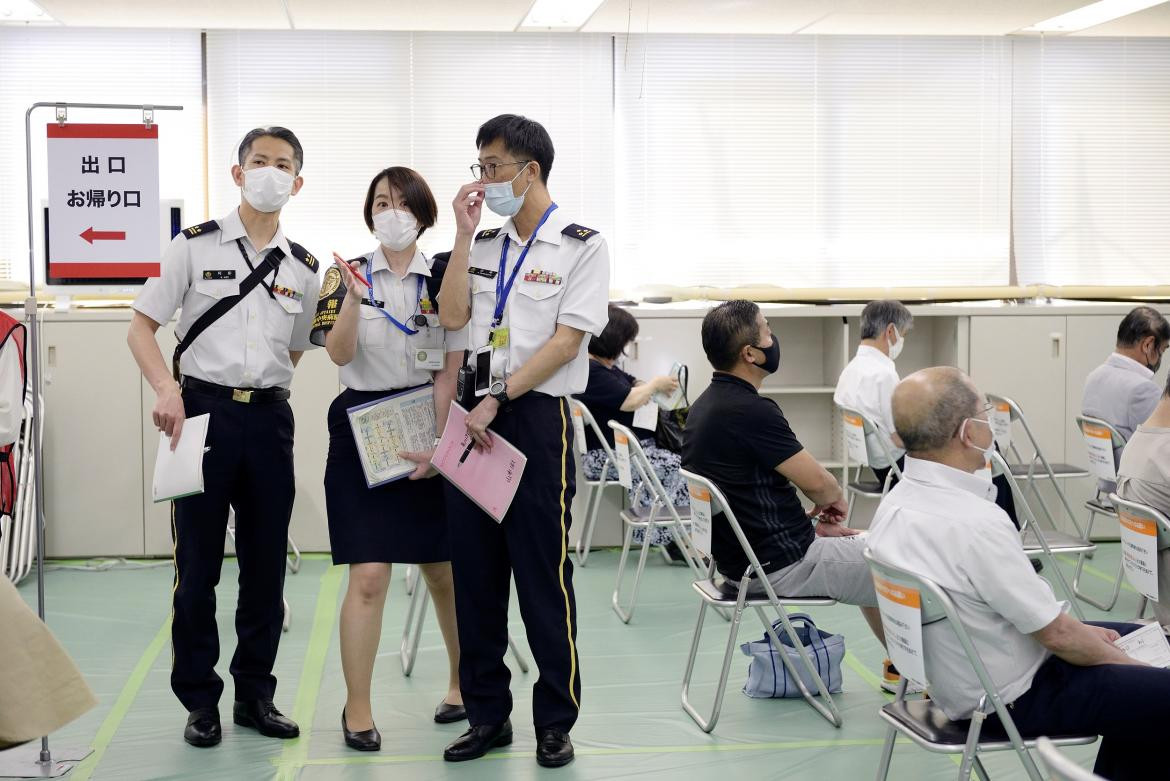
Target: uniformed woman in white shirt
379 322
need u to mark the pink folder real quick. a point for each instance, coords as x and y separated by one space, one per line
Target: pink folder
488 479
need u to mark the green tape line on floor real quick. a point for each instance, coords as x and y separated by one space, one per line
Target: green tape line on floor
588 752
296 752
122 705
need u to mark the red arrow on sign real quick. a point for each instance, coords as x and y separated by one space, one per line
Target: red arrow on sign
91 235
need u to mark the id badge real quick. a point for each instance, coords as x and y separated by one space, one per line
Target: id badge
429 353
429 358
498 338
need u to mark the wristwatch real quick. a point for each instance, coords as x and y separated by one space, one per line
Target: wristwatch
499 391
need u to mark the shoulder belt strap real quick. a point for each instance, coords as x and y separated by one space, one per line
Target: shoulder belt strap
221 307
211 226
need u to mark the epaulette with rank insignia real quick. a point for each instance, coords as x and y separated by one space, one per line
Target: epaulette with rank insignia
576 231
302 254
490 233
211 226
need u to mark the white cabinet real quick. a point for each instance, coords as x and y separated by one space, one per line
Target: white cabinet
92 440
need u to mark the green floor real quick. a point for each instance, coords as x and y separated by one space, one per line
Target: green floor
114 623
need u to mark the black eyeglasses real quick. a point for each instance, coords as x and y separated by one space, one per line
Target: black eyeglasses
489 169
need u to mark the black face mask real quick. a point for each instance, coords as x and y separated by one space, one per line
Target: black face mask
771 356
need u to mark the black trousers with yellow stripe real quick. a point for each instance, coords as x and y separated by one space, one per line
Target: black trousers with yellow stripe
532 545
250 468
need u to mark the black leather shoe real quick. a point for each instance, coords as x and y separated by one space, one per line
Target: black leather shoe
553 748
262 716
366 740
447 713
477 741
203 728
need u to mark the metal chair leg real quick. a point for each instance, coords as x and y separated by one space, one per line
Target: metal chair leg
293 558
416 613
707 724
585 541
518 655
883 772
411 574
1080 567
627 613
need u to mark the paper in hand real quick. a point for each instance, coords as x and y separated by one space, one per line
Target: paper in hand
1147 644
179 472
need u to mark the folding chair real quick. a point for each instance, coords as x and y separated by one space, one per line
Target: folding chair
858 431
595 488
1060 767
416 613
1027 469
1100 436
922 721
715 595
18 532
1042 542
1144 533
660 514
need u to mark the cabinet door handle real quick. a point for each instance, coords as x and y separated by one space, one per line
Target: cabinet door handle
1057 339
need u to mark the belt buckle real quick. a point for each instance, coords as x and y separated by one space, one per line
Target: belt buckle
241 395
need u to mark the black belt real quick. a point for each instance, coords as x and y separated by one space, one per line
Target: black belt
243 395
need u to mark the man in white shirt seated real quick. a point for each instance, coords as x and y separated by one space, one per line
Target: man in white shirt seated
1122 391
866 385
1058 675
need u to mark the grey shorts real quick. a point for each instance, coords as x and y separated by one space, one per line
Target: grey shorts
831 567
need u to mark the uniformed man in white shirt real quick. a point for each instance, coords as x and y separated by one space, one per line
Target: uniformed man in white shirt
1058 675
246 295
867 383
532 291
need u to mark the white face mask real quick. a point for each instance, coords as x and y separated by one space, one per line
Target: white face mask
396 229
896 345
267 189
499 196
986 451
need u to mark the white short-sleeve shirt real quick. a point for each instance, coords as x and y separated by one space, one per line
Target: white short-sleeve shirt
564 279
385 354
248 347
866 385
943 524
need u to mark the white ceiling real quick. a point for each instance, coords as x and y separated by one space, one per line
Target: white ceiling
833 17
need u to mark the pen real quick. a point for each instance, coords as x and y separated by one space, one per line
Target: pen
466 451
337 259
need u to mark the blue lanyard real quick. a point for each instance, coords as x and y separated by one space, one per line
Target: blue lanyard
503 290
418 299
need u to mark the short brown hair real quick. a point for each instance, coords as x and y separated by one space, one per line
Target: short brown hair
415 192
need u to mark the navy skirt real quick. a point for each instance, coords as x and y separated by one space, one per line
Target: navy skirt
401 522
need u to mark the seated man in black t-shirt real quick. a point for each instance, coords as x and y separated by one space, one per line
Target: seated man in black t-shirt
742 442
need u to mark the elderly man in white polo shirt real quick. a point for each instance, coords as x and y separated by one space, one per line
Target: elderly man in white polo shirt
1058 675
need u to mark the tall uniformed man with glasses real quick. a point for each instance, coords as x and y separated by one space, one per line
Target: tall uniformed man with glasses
246 295
531 291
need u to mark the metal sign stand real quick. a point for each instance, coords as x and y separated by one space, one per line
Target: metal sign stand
28 761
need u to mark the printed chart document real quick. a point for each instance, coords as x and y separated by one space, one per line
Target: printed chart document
489 479
385 427
179 472
1147 644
